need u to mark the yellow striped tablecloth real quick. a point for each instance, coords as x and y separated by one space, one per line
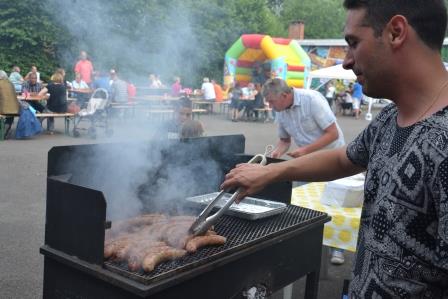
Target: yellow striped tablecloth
342 230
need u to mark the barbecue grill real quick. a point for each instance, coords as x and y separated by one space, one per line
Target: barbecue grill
268 253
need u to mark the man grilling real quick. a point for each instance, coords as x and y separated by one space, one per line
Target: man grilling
394 48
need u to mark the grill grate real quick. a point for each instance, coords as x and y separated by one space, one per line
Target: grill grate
239 233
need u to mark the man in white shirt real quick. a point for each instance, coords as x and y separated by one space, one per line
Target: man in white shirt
304 116
208 91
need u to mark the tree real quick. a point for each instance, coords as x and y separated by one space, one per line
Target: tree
28 36
323 18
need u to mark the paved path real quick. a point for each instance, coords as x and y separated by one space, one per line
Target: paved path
22 198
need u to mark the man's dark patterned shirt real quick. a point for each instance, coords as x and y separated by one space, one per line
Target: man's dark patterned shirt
403 239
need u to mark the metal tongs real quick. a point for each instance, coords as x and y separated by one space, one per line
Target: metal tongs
203 223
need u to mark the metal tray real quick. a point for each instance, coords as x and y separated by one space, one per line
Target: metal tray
250 208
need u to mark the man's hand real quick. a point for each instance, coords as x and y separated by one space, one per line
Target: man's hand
276 154
251 178
299 152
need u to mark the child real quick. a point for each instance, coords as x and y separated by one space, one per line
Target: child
191 129
183 113
235 94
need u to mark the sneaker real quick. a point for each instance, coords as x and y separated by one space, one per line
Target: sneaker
337 257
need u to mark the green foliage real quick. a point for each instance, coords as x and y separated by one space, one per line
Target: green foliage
323 18
28 36
169 37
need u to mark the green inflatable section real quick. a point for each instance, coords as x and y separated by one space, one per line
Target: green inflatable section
236 50
301 53
295 75
243 71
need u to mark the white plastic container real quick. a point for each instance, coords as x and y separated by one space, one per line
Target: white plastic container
346 192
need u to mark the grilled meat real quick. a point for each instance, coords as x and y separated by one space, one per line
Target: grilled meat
148 240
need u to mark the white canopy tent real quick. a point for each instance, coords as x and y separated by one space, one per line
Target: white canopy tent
335 72
332 72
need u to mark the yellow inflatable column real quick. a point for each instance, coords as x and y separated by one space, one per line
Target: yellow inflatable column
268 47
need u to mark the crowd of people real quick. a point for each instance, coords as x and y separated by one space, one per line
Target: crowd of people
345 97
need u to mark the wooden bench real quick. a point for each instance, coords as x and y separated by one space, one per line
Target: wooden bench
124 106
265 111
208 105
198 112
223 106
159 113
67 118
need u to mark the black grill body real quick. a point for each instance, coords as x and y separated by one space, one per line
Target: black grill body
271 252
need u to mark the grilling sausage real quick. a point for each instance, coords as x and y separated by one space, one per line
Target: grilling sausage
137 255
154 259
151 239
200 241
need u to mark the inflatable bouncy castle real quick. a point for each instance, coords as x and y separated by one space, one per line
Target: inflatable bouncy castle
285 57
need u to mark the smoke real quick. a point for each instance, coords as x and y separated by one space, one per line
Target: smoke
153 176
135 37
138 38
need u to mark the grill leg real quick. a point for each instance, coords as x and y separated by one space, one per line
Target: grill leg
312 284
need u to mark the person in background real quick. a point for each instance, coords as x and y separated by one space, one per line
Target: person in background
118 89
356 93
191 129
16 79
208 91
249 104
78 83
176 87
303 115
61 71
258 102
57 101
183 109
84 67
154 81
218 91
395 50
235 94
9 105
101 81
330 93
257 73
33 70
81 97
33 87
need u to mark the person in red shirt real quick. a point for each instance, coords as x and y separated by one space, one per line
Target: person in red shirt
84 67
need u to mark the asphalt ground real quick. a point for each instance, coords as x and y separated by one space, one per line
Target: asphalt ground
23 166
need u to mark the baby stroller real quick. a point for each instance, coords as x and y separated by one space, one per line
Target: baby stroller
96 113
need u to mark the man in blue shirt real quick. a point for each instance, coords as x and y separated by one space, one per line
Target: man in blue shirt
357 96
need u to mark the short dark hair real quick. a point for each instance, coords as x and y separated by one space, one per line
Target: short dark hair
427 17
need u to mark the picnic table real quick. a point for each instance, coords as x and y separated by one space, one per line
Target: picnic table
34 97
82 90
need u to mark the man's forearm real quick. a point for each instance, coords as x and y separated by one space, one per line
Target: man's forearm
324 140
281 148
319 166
